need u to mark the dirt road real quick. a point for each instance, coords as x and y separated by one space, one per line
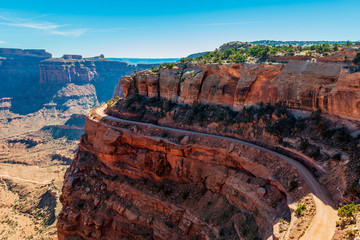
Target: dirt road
322 226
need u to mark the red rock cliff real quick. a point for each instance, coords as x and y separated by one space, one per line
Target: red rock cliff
128 182
326 83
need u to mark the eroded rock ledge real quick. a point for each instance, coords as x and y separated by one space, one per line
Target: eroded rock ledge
133 182
326 83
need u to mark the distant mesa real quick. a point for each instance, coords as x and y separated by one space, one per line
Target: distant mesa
11 52
71 56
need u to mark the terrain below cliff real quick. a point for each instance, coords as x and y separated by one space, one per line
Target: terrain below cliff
43 104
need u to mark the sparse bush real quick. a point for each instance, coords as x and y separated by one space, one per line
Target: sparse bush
293 185
300 208
315 154
185 195
169 224
351 233
357 59
179 138
349 44
347 211
80 204
316 116
154 69
304 144
169 65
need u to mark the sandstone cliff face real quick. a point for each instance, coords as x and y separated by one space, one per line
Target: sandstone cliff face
126 182
19 71
325 83
104 74
32 78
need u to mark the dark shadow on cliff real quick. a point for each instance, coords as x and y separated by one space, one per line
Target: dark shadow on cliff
70 133
47 204
32 99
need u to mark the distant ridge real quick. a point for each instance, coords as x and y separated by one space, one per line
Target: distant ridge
136 61
300 43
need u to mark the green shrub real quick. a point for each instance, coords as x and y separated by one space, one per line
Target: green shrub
357 59
80 204
316 116
185 195
304 144
154 69
347 211
351 233
293 185
300 208
169 224
179 138
169 65
349 44
315 154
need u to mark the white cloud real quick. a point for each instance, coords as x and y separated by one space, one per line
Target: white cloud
70 33
2 42
51 28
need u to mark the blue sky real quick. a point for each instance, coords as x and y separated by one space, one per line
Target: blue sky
155 29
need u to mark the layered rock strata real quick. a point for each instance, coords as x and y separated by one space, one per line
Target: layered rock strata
137 182
104 74
32 77
326 83
19 71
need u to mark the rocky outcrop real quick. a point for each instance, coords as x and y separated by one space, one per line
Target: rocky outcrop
128 182
326 83
5 104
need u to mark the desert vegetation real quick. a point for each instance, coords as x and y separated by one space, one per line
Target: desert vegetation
248 52
314 134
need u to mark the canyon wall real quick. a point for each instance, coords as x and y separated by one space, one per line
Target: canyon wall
19 73
137 182
32 77
37 90
19 69
328 83
104 74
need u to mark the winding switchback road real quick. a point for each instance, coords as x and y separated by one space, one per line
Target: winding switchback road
323 224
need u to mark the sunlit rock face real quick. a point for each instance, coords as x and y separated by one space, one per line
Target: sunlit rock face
326 83
126 182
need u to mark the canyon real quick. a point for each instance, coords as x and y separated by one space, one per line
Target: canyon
118 154
43 104
37 86
164 159
189 150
